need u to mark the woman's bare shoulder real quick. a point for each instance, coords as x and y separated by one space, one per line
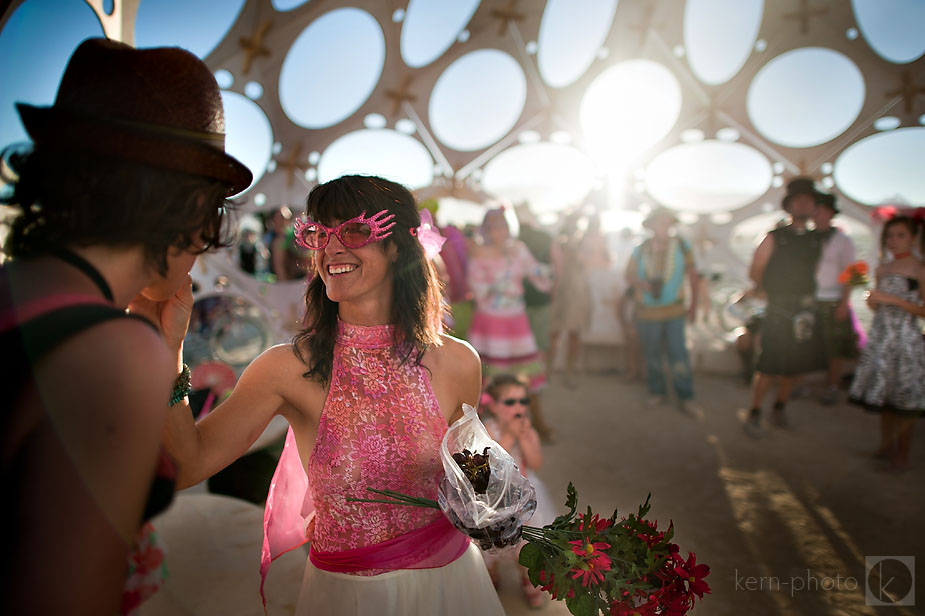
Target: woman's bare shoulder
281 359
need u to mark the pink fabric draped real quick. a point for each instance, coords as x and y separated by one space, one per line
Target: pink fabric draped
288 510
435 545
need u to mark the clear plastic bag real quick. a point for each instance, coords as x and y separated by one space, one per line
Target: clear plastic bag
493 518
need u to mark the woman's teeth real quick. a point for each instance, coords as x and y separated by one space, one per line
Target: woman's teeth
340 269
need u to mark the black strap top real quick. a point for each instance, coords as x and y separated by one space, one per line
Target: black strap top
27 342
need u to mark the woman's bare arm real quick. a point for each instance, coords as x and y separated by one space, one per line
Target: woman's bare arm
203 448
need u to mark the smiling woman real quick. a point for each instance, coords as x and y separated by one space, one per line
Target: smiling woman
368 388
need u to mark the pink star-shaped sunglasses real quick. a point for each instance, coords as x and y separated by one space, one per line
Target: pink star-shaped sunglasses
354 233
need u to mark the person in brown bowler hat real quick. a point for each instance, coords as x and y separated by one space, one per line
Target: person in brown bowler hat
125 183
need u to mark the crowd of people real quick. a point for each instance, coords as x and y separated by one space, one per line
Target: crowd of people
97 300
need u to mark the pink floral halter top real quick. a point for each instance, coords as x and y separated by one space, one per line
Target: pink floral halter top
381 427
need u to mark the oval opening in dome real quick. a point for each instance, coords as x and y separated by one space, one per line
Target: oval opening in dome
287 5
549 177
708 176
383 152
316 94
36 43
884 168
893 28
805 97
248 135
570 38
887 123
430 27
629 108
719 36
196 26
477 100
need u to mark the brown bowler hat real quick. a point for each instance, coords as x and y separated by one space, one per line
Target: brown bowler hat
160 106
802 186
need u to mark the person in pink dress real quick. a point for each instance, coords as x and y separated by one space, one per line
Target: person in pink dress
369 387
500 330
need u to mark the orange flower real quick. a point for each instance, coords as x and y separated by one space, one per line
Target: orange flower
861 267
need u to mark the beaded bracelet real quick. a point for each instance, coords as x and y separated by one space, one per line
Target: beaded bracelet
182 387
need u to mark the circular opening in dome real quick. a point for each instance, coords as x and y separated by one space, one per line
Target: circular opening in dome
196 26
884 167
430 27
569 40
728 134
35 44
224 78
628 108
887 123
353 46
805 97
477 100
561 137
383 152
547 176
253 90
719 36
374 120
406 126
708 176
248 135
893 29
692 135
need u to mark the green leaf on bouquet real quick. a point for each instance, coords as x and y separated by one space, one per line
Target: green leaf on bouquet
582 605
531 556
571 501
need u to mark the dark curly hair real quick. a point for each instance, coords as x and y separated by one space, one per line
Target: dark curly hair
914 225
416 294
68 198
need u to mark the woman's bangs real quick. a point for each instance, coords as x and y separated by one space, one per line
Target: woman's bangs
328 205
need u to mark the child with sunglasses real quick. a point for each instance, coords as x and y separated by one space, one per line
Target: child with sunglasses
507 402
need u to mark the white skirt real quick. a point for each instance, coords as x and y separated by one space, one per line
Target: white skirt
461 588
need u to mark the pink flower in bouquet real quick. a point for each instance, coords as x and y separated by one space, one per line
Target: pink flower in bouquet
593 522
593 561
693 574
628 608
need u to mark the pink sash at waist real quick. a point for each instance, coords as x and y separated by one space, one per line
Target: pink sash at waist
435 545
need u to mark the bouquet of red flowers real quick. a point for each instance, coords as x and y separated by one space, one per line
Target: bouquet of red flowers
855 275
619 565
612 566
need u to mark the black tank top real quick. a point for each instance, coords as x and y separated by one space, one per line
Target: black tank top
25 343
791 271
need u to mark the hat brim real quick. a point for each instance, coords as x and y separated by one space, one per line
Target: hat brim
58 127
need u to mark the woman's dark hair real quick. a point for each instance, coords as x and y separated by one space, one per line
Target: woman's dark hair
416 296
68 199
913 225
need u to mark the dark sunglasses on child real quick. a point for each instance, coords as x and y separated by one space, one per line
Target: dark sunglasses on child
513 401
